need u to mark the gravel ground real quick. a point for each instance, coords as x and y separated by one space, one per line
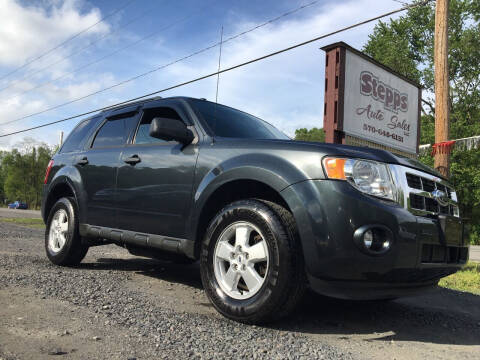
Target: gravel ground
116 306
14 213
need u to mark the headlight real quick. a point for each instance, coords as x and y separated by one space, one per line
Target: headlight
370 177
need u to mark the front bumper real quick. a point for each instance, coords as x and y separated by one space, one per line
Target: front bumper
328 212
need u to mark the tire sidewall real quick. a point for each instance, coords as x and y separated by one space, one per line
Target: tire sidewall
67 205
271 291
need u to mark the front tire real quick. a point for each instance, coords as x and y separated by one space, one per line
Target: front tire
63 243
251 264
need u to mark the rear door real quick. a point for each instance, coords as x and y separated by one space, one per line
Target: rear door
99 163
155 190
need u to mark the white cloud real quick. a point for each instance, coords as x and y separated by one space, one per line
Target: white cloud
27 31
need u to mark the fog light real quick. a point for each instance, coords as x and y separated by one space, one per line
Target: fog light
373 239
386 244
368 238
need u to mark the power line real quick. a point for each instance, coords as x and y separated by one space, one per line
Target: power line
67 40
133 44
229 68
165 65
73 53
136 42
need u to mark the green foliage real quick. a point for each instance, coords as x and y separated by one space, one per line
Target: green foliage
22 172
314 134
467 279
2 179
406 45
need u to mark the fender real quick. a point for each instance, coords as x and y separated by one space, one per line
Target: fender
70 176
271 170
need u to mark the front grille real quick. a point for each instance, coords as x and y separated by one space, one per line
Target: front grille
443 188
422 183
414 181
428 185
431 205
419 202
440 254
420 197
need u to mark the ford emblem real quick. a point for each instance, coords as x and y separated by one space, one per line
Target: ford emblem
441 197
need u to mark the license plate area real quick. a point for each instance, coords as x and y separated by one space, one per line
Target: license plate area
451 230
441 240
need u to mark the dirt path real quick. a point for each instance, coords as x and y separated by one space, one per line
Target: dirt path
118 306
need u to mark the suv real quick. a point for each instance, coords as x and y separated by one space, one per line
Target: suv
183 178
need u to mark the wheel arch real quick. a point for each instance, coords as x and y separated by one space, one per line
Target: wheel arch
61 187
226 193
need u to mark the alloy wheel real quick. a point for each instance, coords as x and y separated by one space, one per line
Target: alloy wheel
241 260
58 233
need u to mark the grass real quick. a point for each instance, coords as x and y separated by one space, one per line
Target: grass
33 223
467 279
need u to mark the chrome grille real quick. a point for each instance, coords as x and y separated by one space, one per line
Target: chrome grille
416 189
414 181
423 183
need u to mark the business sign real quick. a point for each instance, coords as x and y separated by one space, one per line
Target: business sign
371 101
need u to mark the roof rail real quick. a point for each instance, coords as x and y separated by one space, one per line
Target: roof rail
139 102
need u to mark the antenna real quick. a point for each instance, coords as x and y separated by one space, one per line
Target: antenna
219 60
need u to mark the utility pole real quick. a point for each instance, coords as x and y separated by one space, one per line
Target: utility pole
61 138
442 111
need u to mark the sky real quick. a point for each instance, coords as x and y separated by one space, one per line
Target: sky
286 90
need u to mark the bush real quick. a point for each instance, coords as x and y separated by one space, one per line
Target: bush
475 235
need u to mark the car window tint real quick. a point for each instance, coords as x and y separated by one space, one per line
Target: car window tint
142 136
114 132
228 122
78 135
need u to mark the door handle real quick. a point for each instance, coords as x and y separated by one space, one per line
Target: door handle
83 161
132 160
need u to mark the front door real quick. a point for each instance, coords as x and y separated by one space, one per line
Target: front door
155 179
98 168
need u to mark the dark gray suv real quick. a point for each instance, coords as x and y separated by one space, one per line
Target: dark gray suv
182 178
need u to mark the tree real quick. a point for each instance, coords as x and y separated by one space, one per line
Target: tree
406 45
314 134
2 179
22 171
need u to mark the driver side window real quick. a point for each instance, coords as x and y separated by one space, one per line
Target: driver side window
142 136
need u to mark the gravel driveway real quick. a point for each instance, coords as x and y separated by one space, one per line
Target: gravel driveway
14 213
116 306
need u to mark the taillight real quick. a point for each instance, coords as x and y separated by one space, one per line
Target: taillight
47 172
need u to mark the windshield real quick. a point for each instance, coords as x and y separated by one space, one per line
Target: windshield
227 122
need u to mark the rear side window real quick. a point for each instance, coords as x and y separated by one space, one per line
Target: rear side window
78 135
114 132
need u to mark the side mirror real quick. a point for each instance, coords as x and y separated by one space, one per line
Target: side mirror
171 129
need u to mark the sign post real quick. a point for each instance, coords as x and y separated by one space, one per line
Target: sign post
369 104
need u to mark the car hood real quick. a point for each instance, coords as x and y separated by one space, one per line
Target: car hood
372 154
335 150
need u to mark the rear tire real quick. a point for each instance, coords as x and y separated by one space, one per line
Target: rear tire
261 281
63 243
